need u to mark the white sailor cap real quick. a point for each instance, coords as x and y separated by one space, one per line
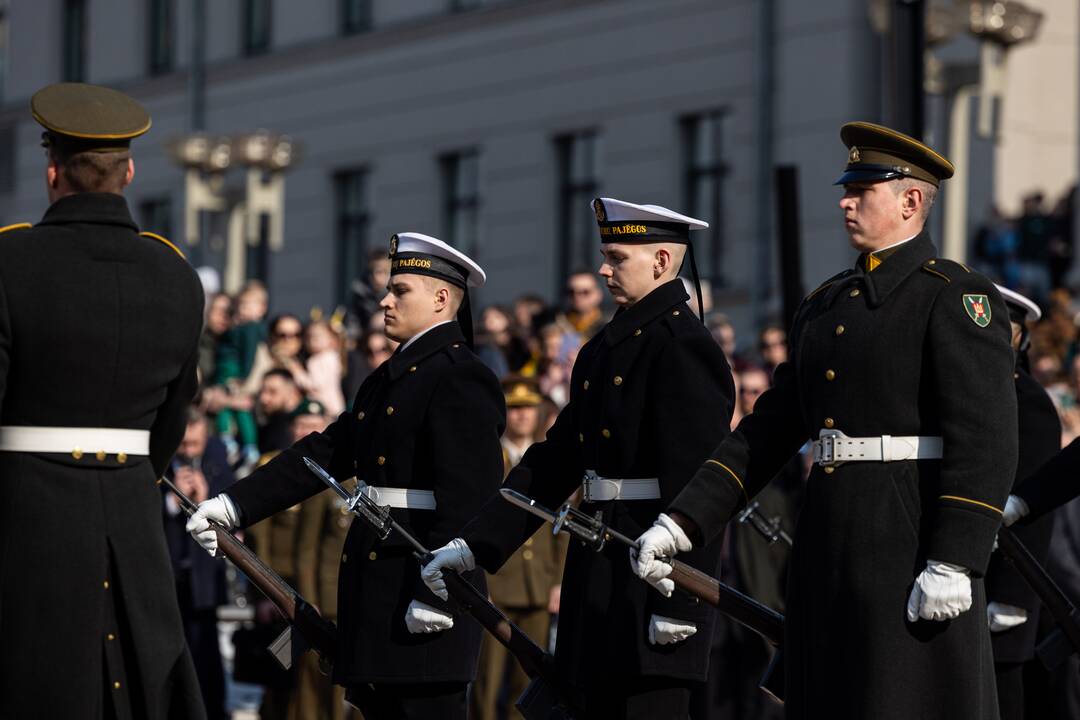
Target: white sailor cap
419 254
1019 305
625 222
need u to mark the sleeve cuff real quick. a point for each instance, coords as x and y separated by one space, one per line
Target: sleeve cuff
711 497
964 533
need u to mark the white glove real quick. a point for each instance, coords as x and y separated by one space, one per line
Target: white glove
422 618
218 509
666 631
662 540
1015 508
455 555
1002 616
941 592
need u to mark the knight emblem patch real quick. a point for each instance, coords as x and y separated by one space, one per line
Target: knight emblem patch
978 309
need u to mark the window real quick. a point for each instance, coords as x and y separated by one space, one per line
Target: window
3 46
257 19
7 158
355 16
578 185
461 200
155 215
160 36
74 41
703 184
353 220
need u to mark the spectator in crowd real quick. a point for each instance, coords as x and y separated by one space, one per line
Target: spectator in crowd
583 315
372 350
279 397
1034 227
369 290
996 248
236 356
498 344
199 469
324 366
529 312
558 350
218 322
724 333
772 344
527 587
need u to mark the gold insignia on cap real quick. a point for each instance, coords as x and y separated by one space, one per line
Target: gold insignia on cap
393 245
853 155
598 208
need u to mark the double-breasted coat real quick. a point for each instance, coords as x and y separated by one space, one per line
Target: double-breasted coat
99 328
919 346
651 394
429 418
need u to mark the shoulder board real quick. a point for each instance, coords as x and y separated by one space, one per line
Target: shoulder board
458 351
944 269
267 457
829 282
155 236
16 226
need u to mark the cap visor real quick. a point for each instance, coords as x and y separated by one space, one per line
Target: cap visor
864 175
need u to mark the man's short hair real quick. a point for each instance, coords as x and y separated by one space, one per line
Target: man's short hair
457 295
89 171
281 373
929 192
195 415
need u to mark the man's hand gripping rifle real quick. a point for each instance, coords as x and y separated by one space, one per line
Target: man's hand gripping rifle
546 698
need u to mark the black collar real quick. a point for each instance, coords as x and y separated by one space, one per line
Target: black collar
103 208
645 310
426 345
899 265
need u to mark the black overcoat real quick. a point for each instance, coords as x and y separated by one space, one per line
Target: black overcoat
99 327
896 351
429 418
1040 440
651 395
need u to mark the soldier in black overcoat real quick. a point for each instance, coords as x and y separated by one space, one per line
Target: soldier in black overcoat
650 394
423 435
99 330
1012 606
902 372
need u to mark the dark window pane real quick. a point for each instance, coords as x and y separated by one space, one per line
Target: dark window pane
577 159
257 23
4 42
355 16
461 200
353 220
160 36
703 188
74 41
155 215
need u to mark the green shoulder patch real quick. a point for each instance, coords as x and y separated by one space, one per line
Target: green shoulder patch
978 309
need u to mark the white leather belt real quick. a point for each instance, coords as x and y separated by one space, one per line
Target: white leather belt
406 498
602 489
74 440
833 448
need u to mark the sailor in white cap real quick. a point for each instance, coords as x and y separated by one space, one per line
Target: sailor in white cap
649 394
423 436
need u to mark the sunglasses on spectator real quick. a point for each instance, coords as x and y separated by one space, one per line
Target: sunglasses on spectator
288 335
579 291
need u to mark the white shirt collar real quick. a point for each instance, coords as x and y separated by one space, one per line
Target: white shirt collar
420 334
896 244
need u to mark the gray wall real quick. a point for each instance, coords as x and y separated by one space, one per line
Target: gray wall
506 79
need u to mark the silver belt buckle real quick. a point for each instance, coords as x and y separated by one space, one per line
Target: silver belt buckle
825 448
587 483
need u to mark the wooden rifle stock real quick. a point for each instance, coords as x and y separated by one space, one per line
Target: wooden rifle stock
739 607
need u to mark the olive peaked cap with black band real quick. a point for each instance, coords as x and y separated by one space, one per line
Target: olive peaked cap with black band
877 153
88 118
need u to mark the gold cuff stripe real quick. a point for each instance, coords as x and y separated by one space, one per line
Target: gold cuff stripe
732 473
973 502
155 236
16 226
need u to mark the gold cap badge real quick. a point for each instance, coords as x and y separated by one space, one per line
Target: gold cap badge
853 155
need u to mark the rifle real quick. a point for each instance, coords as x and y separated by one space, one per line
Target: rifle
743 609
314 631
547 697
1056 647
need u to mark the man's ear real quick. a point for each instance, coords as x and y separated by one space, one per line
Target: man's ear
912 202
442 297
130 174
661 262
52 174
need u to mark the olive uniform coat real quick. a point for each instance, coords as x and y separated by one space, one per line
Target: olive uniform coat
99 327
651 394
429 418
918 346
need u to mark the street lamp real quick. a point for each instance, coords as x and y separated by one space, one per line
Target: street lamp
205 159
999 26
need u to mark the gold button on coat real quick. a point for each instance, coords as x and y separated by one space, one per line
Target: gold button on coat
121 457
637 332
580 437
829 422
110 636
412 369
585 385
527 554
840 329
389 409
344 558
382 461
676 313
106 584
116 685
360 415
617 380
76 453
829 470
606 433
830 374
854 293
100 455
372 555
